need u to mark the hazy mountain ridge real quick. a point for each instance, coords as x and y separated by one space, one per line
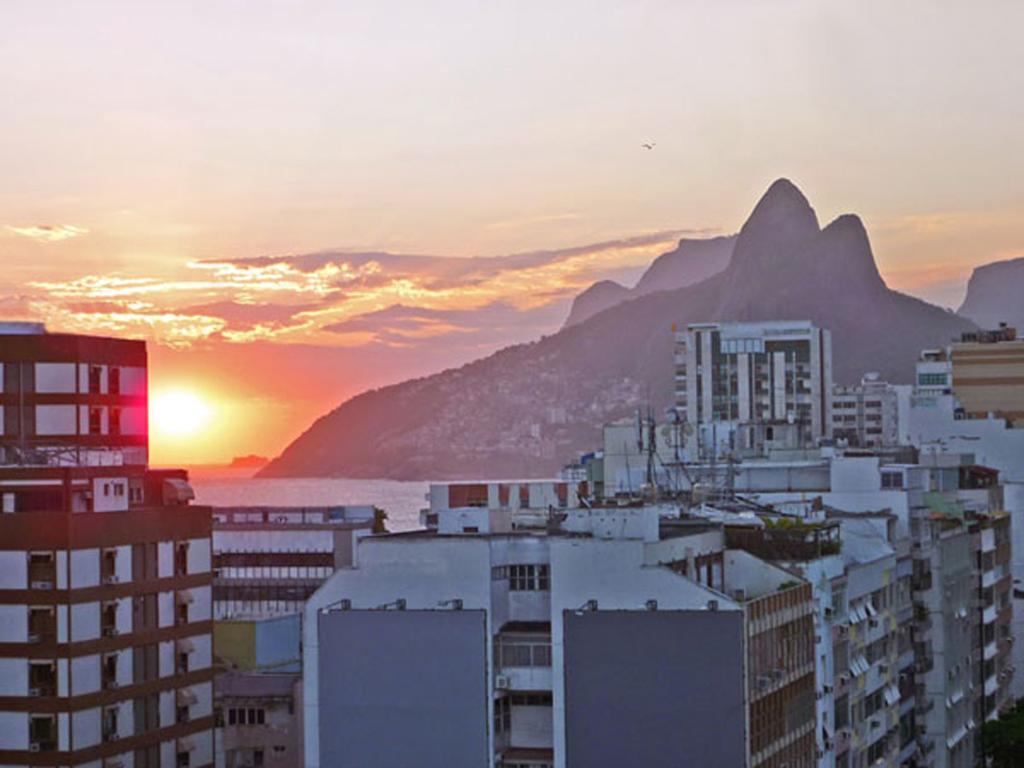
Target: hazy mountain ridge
995 294
527 409
691 262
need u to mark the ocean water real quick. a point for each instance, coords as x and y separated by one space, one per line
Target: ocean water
236 487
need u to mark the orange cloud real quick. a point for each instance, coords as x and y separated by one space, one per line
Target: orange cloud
46 233
308 298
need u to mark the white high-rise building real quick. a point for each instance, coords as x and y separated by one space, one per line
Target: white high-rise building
738 384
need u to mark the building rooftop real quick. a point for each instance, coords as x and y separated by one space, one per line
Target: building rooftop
256 685
293 516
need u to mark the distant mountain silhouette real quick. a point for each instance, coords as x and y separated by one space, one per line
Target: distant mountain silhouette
691 262
995 294
597 298
526 410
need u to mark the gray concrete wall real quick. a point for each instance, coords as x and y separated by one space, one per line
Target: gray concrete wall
403 688
659 689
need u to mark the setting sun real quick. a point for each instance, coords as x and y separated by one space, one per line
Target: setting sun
178 413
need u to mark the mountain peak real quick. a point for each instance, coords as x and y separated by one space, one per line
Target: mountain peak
843 254
780 226
784 204
993 294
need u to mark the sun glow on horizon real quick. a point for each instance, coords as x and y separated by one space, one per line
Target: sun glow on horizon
178 413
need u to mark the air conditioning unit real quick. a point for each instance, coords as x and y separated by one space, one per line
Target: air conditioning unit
111 579
502 682
111 685
34 638
35 691
112 737
34 748
110 632
42 585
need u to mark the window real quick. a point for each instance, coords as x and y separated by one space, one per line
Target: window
246 716
531 699
892 480
523 651
931 379
502 716
95 378
95 421
181 559
528 578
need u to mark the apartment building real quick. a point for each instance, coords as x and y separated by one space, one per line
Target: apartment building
560 641
71 400
940 421
982 499
988 374
257 723
537 495
867 415
105 580
267 561
930 517
732 377
861 579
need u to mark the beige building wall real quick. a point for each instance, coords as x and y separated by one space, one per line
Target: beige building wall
990 378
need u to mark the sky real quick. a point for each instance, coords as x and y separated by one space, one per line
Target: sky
294 202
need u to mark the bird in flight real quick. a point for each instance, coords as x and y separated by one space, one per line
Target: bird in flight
648 145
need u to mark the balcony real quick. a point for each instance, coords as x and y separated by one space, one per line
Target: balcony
42 733
42 679
787 540
108 619
110 731
842 741
108 672
42 625
991 686
522 661
42 571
